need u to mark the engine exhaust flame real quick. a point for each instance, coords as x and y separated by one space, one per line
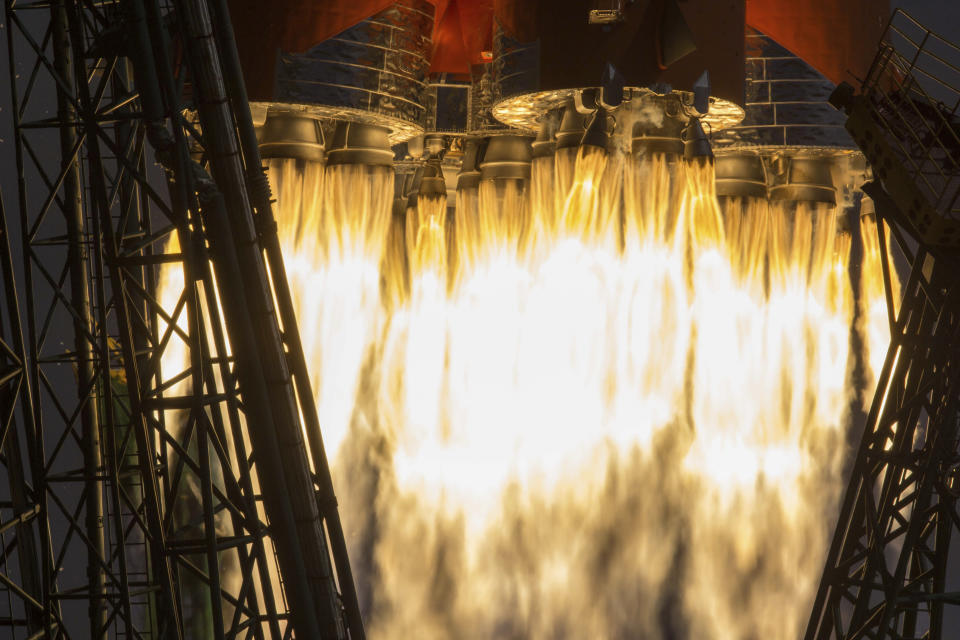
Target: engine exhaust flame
333 227
873 302
598 405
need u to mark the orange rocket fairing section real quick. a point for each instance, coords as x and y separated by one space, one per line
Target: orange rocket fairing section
837 38
463 31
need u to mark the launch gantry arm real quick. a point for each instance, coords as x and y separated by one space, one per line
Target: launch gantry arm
886 573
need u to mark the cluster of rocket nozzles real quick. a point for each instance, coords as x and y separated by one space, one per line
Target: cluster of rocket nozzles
800 178
504 156
507 155
577 126
295 135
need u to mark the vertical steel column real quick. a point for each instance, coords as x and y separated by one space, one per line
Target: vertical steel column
16 393
266 369
32 413
133 223
884 575
107 246
259 190
77 259
159 88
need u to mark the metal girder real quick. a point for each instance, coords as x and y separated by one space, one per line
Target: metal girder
886 575
19 525
162 432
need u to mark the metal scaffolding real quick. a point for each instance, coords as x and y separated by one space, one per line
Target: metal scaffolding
886 574
165 473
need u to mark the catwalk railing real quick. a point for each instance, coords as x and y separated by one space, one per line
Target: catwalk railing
889 573
173 481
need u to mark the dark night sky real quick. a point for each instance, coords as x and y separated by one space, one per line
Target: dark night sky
942 16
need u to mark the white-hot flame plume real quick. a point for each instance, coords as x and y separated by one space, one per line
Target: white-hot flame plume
599 405
333 227
874 317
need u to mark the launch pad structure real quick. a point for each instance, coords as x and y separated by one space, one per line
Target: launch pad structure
91 242
142 501
888 569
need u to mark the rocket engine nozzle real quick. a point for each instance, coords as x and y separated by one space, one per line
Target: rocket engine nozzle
696 144
291 135
358 143
507 156
806 179
741 175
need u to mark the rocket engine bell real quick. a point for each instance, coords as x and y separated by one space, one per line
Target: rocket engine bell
291 135
806 179
432 183
359 143
741 175
506 157
469 176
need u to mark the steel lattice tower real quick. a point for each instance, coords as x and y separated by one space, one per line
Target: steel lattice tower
887 571
157 481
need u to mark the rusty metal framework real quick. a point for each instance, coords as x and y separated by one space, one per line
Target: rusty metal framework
163 470
888 571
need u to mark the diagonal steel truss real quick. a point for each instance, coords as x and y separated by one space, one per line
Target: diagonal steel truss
165 474
888 571
19 572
